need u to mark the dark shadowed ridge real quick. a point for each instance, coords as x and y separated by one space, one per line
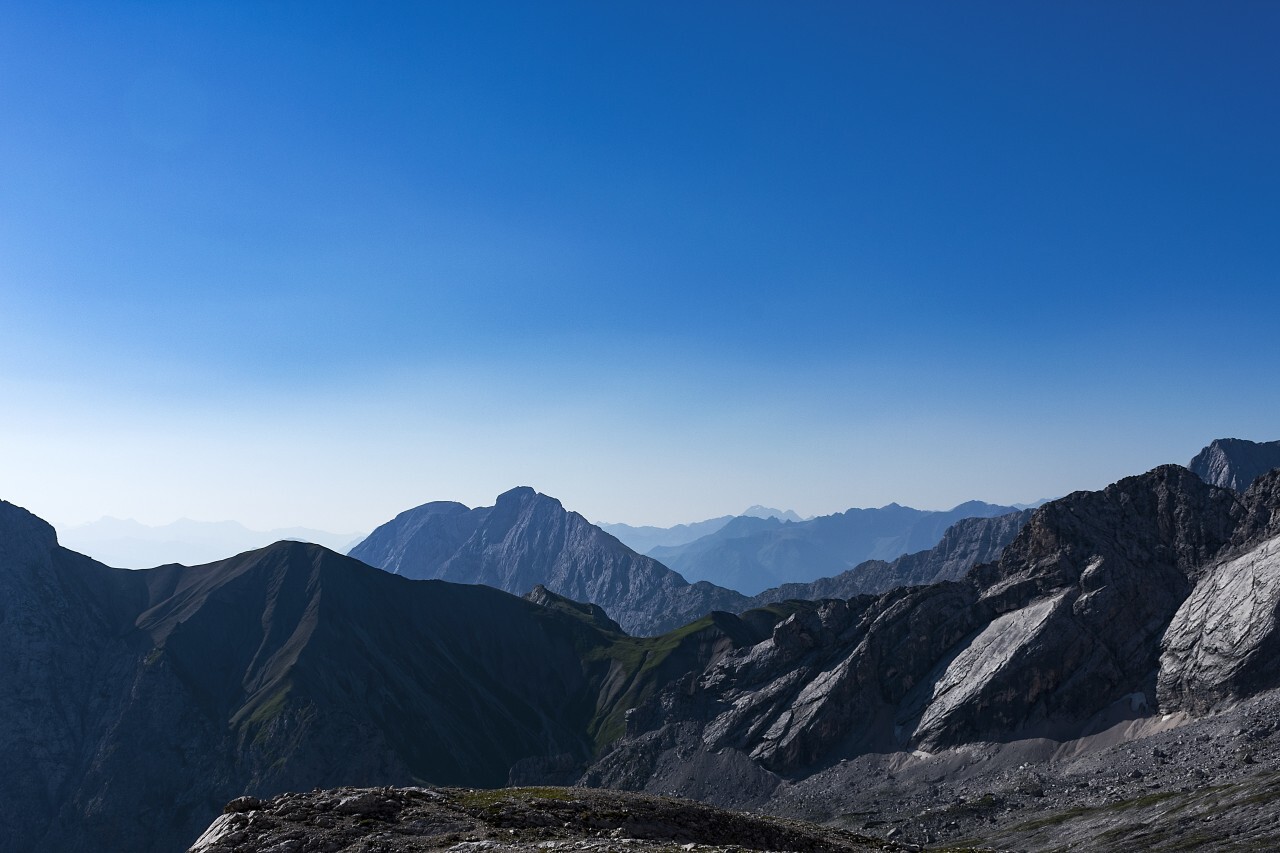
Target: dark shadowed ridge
138 702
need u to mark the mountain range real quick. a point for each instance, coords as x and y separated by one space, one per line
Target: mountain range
753 554
137 702
527 539
645 538
130 544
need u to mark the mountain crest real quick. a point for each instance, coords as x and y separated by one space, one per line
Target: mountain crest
1234 463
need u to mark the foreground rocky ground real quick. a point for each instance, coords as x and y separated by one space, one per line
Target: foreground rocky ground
1157 784
461 820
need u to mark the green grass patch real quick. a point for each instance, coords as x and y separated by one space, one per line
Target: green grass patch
1140 802
1053 819
486 797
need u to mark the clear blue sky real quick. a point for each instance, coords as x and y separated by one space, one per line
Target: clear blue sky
313 263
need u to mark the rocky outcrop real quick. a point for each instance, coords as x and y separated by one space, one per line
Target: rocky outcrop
393 820
1234 463
526 539
1224 641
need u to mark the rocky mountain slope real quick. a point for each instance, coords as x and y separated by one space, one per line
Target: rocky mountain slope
1090 613
526 539
1116 625
1234 463
752 554
137 702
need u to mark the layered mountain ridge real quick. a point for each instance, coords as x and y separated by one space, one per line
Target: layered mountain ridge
527 539
751 554
137 702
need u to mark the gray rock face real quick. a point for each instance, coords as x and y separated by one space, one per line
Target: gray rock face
1234 463
1066 624
527 539
1223 642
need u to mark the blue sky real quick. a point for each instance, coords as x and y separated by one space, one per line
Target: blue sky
308 263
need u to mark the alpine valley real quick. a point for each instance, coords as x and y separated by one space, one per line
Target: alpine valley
1101 672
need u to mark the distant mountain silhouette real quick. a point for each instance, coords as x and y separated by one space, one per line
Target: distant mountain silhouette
757 511
642 539
753 554
645 538
128 544
967 543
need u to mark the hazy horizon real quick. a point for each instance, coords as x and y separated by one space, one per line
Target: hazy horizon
310 265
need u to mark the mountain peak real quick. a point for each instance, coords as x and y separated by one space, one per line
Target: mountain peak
758 511
1234 463
22 532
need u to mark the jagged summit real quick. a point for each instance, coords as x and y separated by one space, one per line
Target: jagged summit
1234 463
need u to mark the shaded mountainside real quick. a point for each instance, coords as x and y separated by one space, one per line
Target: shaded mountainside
754 554
526 539
1089 608
137 702
1234 463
